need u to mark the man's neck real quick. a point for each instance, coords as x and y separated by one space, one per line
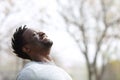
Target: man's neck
41 58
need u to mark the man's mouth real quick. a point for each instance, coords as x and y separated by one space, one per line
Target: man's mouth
44 37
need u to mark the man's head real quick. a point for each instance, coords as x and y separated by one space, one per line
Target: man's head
27 43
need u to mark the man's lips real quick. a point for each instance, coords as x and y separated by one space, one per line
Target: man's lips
44 37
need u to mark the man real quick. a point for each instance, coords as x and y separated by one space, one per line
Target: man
36 46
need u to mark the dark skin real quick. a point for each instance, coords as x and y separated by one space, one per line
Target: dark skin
37 45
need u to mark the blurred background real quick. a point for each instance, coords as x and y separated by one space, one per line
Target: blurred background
86 35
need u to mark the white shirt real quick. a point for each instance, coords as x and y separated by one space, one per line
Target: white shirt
42 71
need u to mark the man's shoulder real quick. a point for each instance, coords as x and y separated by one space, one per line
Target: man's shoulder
36 67
26 74
43 71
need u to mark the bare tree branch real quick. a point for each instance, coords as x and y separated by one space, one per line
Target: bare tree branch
92 67
99 43
116 21
103 62
68 21
107 25
76 40
103 34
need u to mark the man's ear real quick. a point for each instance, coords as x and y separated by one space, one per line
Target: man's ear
26 49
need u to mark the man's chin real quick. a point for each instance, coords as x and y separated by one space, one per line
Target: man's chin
48 44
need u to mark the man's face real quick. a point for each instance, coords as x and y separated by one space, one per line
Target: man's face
38 39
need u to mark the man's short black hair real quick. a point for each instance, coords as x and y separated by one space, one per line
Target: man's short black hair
18 42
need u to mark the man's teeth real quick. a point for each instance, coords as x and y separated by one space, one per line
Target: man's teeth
45 37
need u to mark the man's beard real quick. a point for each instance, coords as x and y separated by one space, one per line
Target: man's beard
45 44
